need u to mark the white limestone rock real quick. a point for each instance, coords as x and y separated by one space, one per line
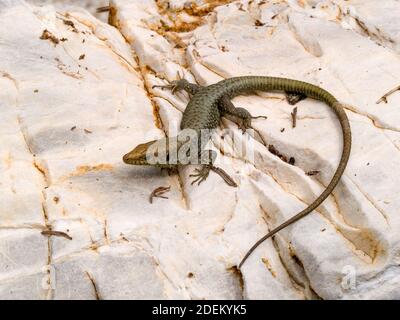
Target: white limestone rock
89 5
74 103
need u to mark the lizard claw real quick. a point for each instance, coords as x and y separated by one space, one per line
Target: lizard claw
167 86
173 86
200 175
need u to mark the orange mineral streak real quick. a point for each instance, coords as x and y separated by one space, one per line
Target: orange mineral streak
82 170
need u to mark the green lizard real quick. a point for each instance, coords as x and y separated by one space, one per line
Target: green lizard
204 111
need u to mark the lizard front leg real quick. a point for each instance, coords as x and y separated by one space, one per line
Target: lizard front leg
181 84
201 174
207 158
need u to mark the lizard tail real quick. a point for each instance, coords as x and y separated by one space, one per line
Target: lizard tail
268 83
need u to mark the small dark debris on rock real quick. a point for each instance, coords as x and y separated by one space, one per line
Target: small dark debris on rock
47 35
82 56
87 131
36 91
292 161
103 9
258 23
294 117
275 152
73 128
56 233
294 97
158 193
70 24
312 172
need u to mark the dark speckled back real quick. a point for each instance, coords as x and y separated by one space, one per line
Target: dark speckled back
202 110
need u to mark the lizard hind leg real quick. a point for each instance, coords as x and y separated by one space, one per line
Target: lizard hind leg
240 116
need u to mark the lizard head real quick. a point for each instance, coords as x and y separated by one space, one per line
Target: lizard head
137 156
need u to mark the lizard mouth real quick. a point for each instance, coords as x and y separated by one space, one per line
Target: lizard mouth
128 159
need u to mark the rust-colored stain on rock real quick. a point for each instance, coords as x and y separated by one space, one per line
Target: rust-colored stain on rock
81 170
268 265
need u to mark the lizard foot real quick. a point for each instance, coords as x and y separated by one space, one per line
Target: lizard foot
200 174
178 85
173 86
245 124
242 118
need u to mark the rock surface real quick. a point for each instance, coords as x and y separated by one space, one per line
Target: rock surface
89 5
76 94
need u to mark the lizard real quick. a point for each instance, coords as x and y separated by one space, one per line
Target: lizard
208 104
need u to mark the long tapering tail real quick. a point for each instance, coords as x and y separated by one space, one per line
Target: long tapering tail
270 83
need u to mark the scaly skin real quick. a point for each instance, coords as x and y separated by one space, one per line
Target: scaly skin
203 112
